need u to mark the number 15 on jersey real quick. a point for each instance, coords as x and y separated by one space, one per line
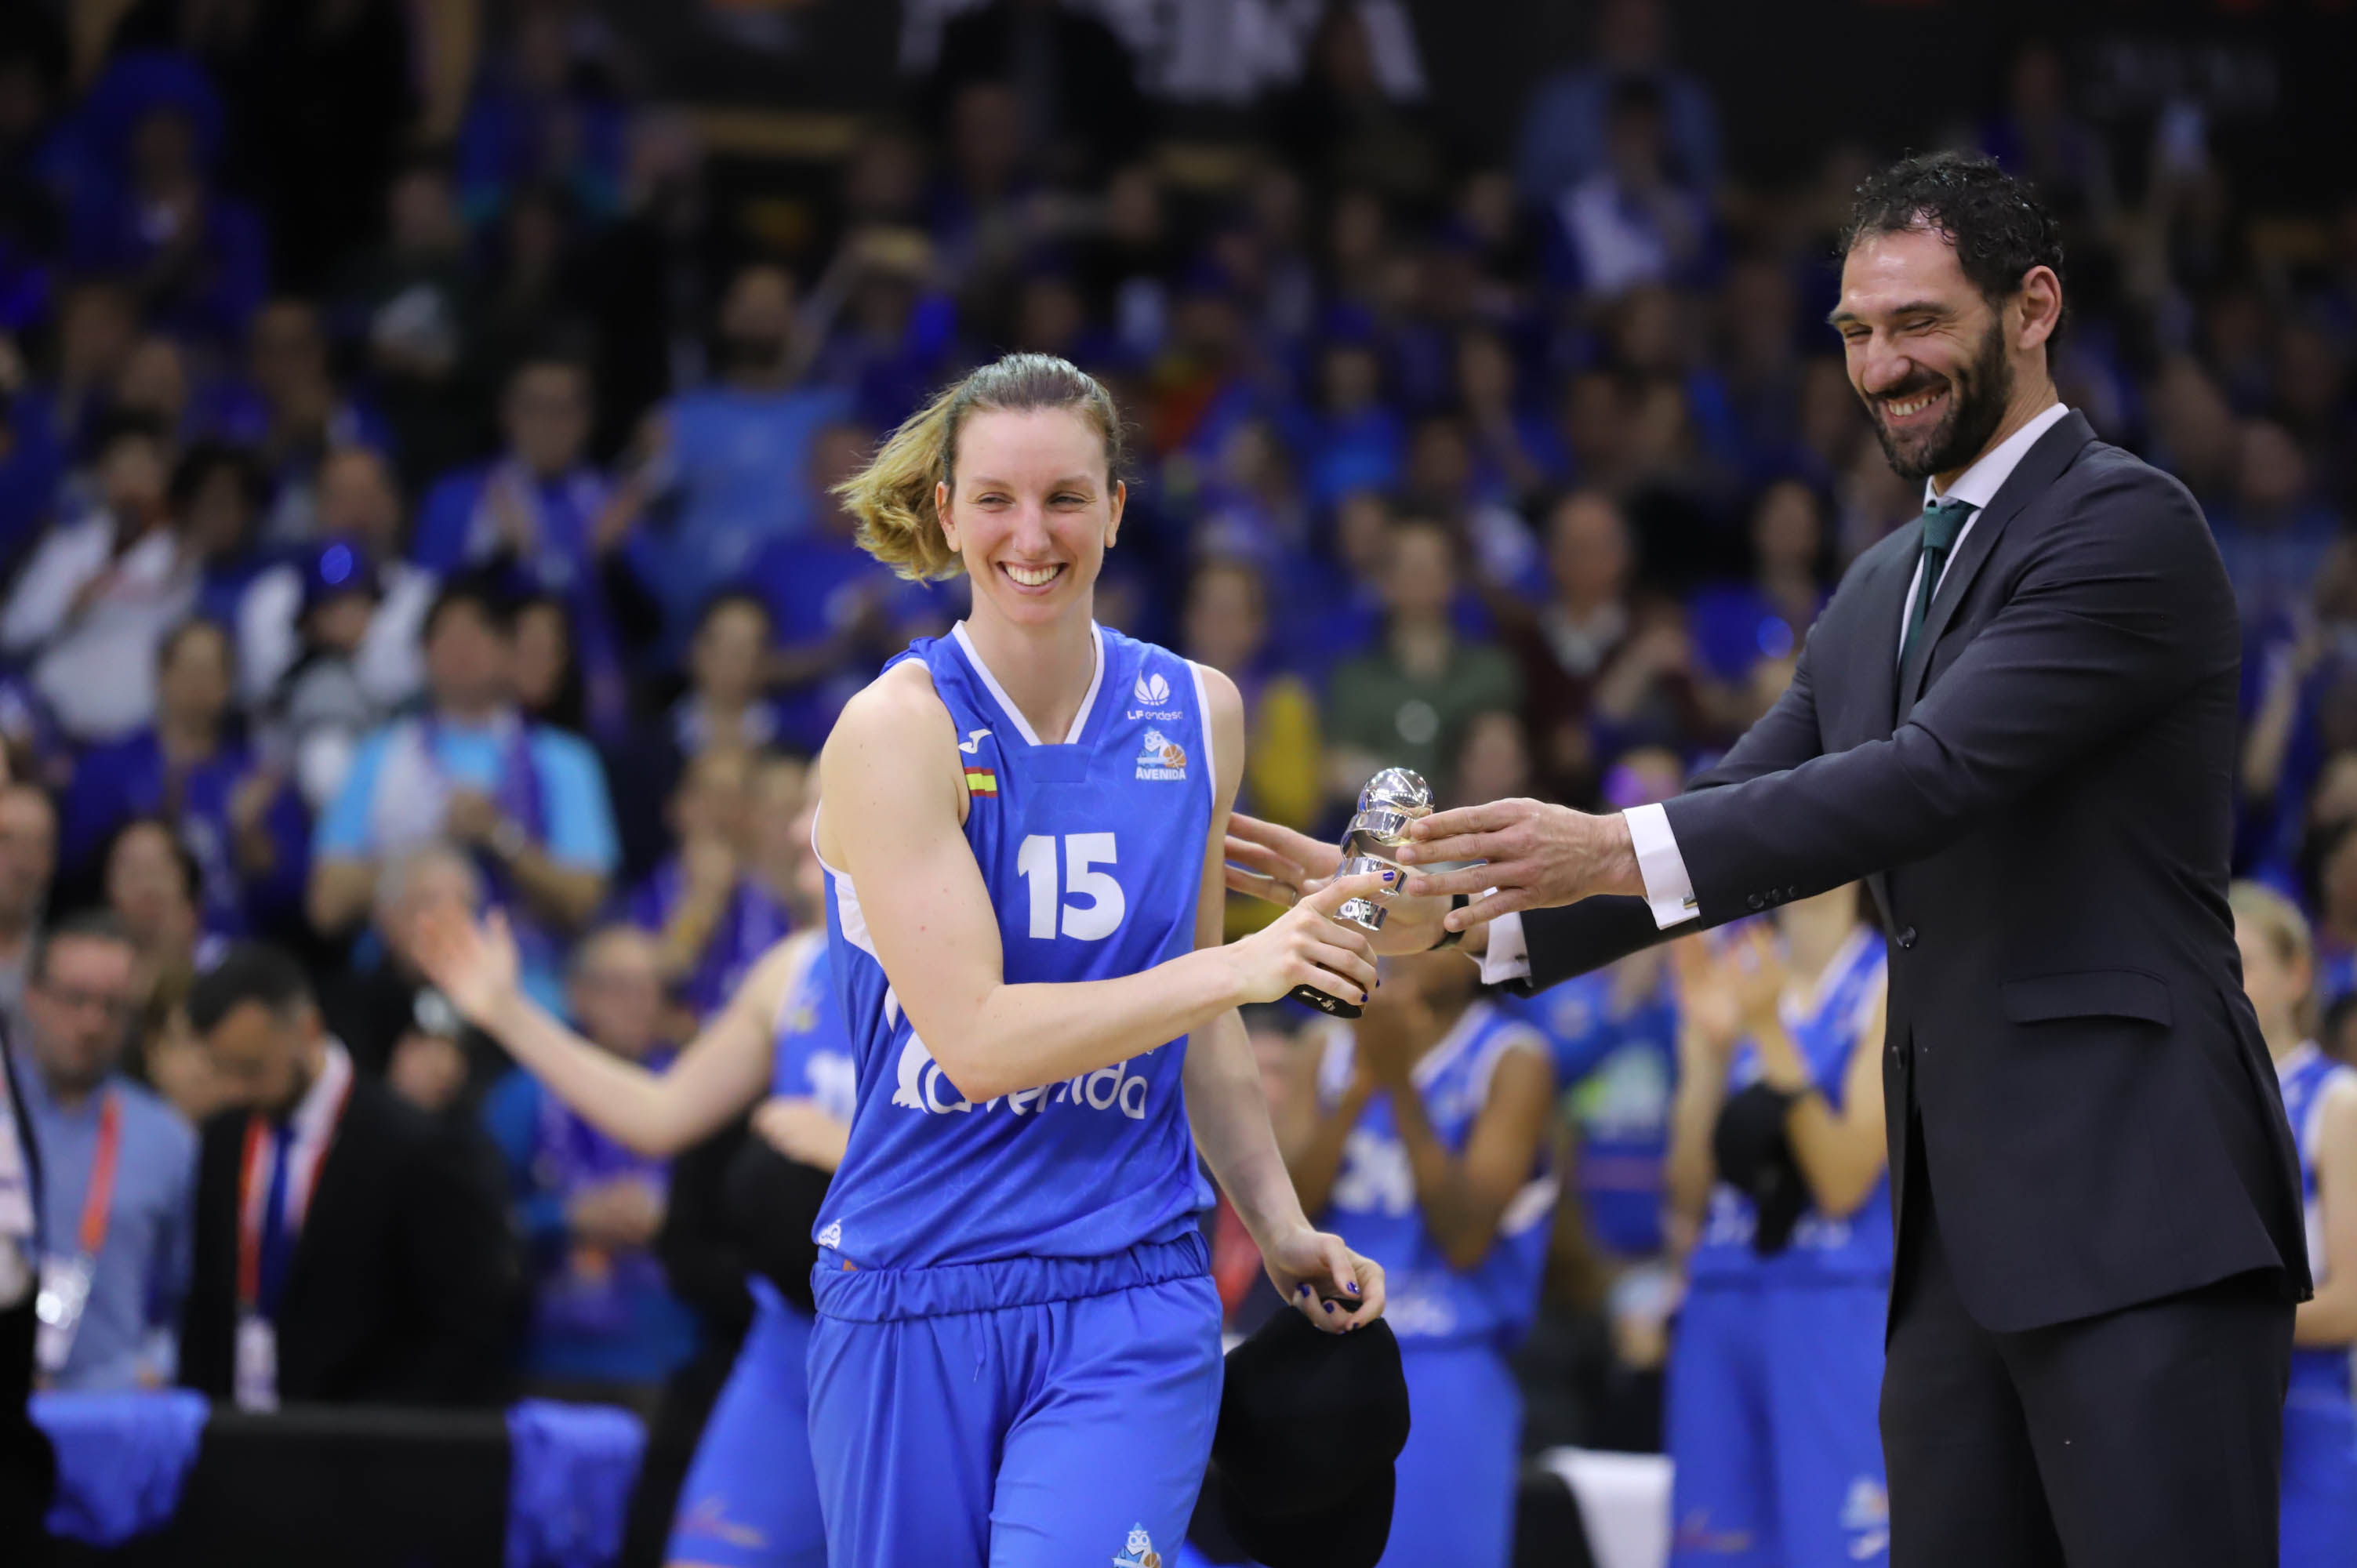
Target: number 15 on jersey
1091 921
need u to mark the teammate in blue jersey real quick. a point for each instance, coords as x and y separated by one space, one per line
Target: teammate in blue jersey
750 1499
1016 1360
1776 1368
2320 1457
1430 1155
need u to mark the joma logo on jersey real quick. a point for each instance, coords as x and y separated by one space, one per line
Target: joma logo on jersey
922 1086
1161 757
1153 694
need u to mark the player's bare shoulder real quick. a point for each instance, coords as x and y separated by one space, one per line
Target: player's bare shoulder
895 737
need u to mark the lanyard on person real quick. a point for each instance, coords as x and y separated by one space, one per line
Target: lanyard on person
66 1278
253 1185
256 1380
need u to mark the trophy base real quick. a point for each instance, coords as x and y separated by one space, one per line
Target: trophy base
1331 1005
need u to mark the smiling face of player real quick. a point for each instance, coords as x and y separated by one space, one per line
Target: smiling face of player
1032 507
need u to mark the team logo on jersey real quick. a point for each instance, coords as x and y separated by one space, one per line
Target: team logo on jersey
1138 1552
972 744
1153 694
1161 757
832 1236
982 781
920 1085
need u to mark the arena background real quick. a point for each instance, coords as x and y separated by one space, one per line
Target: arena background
413 227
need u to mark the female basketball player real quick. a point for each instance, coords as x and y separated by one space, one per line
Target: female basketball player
1018 1358
2319 1452
1430 1151
750 1499
1775 1372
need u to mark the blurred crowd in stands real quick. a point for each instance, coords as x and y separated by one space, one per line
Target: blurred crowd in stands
413 494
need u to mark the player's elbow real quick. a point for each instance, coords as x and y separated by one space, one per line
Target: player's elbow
967 1068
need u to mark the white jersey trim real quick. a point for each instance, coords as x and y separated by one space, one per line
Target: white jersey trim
1006 704
1203 728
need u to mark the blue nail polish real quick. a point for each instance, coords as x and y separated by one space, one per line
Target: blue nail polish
1352 1287
1329 1306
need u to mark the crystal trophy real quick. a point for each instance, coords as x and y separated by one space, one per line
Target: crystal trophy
1391 799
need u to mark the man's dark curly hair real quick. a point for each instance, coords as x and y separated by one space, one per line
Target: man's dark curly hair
1993 220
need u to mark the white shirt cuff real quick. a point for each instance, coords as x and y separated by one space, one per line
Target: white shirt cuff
1508 956
1668 889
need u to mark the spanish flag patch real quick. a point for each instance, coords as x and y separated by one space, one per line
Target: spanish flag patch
981 781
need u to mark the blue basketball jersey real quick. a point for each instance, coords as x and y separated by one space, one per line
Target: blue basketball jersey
2318 1373
814 1054
1616 1061
1372 1205
1092 850
1825 1025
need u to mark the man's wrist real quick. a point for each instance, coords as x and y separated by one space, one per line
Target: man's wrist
1621 874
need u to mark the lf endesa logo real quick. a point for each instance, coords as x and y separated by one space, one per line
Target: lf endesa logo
922 1086
1153 694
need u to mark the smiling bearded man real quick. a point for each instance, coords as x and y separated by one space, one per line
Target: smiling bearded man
2017 721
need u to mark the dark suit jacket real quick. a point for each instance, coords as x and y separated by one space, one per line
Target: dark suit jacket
402 1287
2046 829
28 1467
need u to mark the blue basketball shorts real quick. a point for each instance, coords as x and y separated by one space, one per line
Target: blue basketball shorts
1042 1435
1455 1500
750 1499
2319 1484
1774 1394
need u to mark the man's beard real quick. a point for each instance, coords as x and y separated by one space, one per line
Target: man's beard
1976 403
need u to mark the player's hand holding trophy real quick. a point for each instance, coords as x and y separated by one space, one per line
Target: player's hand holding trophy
1391 799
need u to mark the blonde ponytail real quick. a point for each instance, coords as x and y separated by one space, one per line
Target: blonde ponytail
893 497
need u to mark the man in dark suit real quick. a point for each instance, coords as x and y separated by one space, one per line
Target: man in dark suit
2016 720
27 1466
346 1252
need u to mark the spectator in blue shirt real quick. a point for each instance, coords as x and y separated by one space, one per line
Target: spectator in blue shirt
198 259
1635 219
729 461
604 1323
290 410
1735 624
541 508
240 819
529 802
117 1164
1354 443
1565 137
708 911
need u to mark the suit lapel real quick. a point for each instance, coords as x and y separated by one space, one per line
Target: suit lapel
2039 467
1886 596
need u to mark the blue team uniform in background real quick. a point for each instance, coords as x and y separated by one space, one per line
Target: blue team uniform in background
750 1499
1016 1359
1776 1373
1616 1057
1455 1502
2320 1454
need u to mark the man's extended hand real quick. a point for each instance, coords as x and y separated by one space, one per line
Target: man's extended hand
1271 862
1535 855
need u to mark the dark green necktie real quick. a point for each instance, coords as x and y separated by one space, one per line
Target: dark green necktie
1943 521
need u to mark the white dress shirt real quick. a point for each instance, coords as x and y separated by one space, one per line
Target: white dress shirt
1669 891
